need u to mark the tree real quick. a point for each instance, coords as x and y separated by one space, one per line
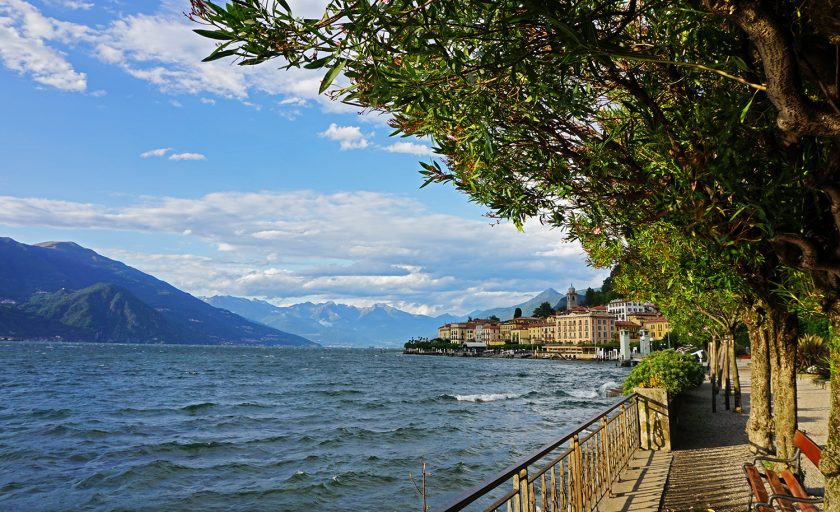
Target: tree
589 298
517 313
493 318
544 310
720 119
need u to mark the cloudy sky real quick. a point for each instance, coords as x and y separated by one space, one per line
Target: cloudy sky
241 181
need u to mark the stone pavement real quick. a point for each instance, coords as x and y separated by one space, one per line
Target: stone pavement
640 485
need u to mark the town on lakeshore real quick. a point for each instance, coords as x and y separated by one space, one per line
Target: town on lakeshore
578 332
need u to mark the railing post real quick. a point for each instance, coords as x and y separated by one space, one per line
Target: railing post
517 500
524 486
576 468
605 454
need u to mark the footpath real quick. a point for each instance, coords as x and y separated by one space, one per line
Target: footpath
703 471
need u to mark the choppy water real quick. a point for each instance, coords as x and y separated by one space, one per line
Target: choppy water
140 427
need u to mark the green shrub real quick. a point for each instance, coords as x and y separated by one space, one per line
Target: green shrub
813 350
666 369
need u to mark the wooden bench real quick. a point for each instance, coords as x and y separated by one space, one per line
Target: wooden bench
786 493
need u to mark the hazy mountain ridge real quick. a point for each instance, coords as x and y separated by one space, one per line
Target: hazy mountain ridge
550 295
338 324
78 294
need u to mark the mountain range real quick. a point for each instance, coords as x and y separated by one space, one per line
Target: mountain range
338 324
550 295
60 290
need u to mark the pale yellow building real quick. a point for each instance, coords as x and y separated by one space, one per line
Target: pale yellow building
458 332
520 335
584 326
443 332
658 327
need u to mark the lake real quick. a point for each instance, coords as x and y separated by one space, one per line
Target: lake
163 427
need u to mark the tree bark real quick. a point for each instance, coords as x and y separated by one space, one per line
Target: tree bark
759 425
724 344
736 379
782 336
830 458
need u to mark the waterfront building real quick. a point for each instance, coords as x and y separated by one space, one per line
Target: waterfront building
621 308
536 332
658 327
458 332
520 334
443 331
488 333
631 327
584 326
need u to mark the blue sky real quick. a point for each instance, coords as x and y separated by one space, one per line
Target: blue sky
241 181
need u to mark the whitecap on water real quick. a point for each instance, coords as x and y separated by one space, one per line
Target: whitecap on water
488 397
582 393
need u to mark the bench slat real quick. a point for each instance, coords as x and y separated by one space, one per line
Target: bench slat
778 488
807 446
798 491
756 484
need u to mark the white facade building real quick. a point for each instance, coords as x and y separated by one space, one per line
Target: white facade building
621 308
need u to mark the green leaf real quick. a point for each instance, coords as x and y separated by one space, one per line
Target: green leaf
216 55
214 34
747 108
318 63
330 76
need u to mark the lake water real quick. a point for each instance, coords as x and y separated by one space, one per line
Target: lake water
150 427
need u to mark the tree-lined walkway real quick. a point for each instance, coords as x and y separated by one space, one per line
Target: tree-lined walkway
709 449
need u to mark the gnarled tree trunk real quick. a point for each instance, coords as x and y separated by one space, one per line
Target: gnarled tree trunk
782 334
760 423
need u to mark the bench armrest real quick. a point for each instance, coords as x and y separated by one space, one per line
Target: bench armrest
793 458
793 499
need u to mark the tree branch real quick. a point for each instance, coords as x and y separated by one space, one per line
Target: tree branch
797 115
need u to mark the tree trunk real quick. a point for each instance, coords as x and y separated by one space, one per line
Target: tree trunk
759 425
724 343
736 379
782 335
713 370
830 459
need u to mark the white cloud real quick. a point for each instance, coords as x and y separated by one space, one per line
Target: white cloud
293 100
159 152
187 156
411 148
348 137
208 101
76 5
24 36
359 247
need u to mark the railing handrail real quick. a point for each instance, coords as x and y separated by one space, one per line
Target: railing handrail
480 490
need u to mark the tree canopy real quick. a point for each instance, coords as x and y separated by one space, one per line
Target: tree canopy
544 310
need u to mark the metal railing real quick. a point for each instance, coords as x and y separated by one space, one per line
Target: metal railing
570 474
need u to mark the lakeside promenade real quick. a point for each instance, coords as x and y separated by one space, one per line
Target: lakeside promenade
703 471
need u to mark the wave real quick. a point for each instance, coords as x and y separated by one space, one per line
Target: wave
483 397
582 393
607 386
198 407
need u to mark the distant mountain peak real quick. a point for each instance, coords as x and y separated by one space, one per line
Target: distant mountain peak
62 245
67 291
